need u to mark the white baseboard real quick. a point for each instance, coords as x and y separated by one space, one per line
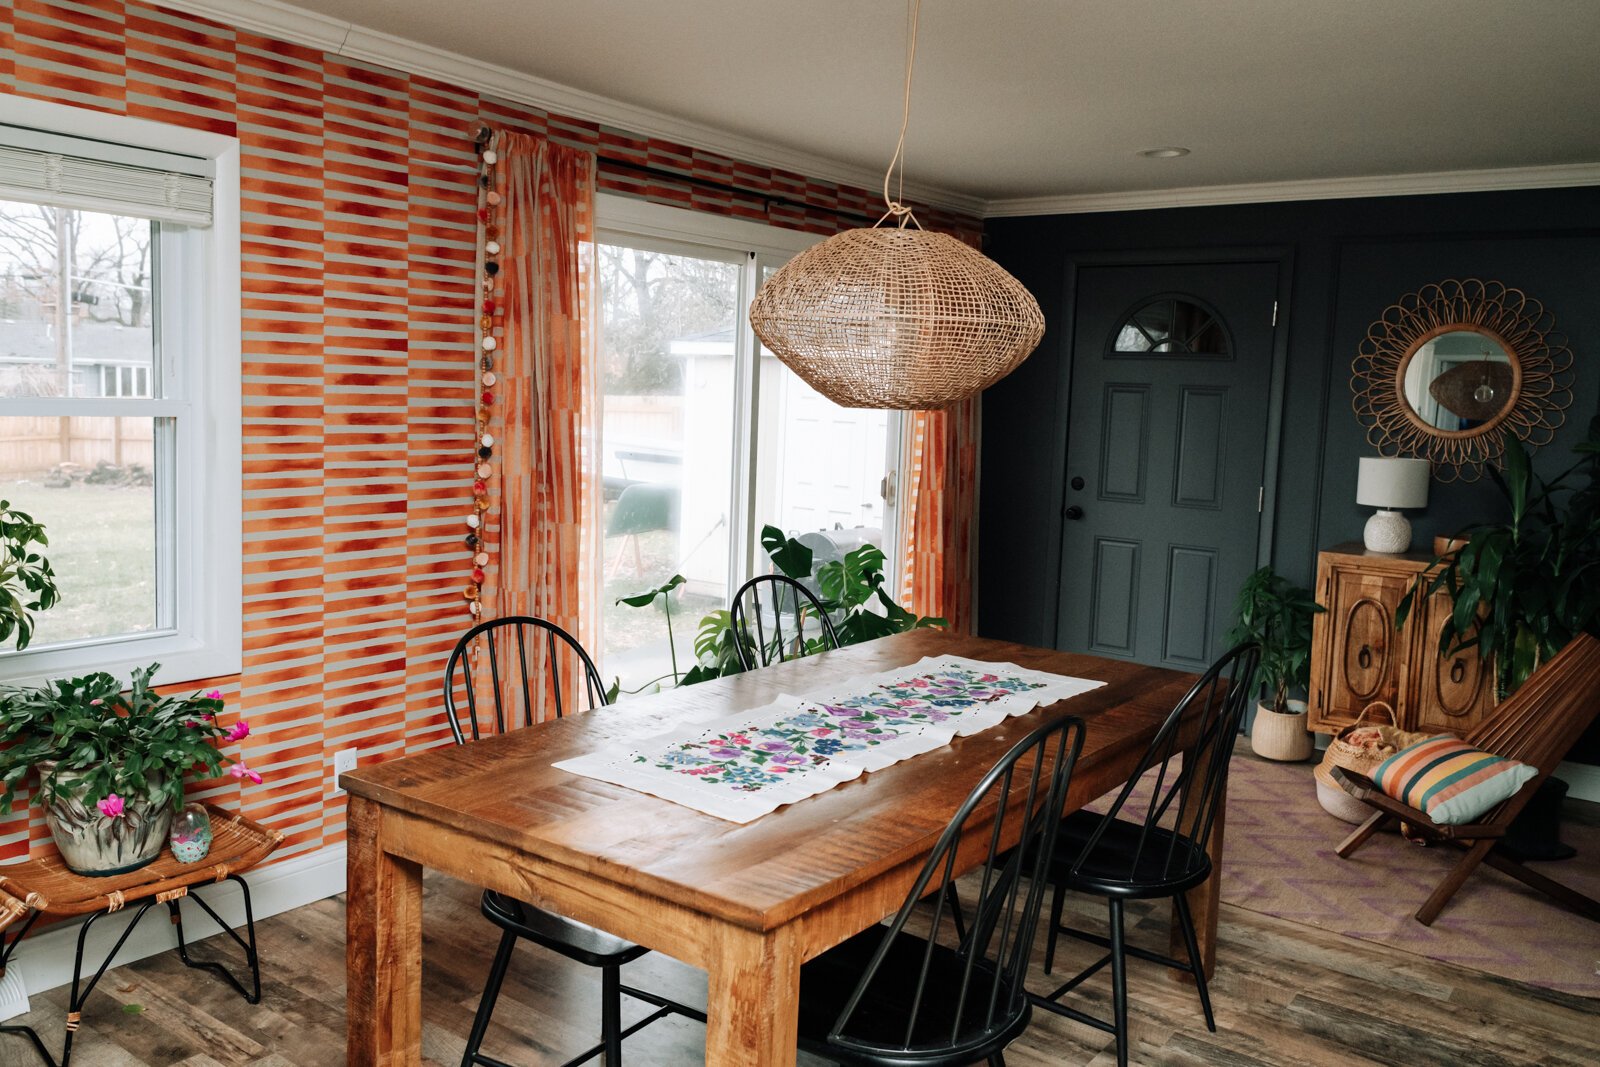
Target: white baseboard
46 958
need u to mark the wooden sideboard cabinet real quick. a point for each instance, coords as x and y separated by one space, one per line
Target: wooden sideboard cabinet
1357 655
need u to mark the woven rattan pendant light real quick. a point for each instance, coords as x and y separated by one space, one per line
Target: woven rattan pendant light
894 316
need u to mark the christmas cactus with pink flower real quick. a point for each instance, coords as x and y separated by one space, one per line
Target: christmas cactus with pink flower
112 762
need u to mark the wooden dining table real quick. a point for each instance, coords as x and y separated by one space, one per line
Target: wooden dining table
748 903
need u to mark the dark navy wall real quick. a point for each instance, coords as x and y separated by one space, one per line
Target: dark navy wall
1349 259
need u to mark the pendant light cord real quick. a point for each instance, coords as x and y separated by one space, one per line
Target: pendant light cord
897 209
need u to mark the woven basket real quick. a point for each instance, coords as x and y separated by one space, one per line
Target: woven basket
1335 801
1379 741
896 318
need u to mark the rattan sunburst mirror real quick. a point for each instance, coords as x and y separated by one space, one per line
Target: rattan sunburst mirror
1449 370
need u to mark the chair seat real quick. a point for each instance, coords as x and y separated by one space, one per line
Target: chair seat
827 982
572 939
1110 870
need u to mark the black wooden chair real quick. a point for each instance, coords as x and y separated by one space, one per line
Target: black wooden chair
891 998
786 617
1161 850
516 667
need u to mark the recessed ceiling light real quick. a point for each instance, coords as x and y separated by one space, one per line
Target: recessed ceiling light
1164 153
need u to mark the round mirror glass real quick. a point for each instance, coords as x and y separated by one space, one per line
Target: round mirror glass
1459 380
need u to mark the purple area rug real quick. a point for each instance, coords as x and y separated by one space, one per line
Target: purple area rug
1279 861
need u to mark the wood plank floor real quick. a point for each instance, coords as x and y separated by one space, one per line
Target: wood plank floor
1284 994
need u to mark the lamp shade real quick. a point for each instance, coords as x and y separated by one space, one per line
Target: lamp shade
1393 482
896 318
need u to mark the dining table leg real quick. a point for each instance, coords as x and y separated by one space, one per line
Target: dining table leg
383 947
753 1003
1205 901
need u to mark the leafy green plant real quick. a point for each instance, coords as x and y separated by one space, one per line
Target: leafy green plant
113 744
1276 614
1522 589
851 591
27 584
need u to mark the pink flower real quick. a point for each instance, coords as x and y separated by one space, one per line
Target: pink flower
96 702
239 770
111 807
215 694
239 732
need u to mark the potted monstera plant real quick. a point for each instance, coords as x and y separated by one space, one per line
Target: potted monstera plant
111 762
1276 614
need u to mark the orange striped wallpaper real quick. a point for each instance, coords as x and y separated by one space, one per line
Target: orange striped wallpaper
358 243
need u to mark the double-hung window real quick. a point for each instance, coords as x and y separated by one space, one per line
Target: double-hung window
119 388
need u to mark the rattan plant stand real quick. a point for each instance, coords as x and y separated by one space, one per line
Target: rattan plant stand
45 887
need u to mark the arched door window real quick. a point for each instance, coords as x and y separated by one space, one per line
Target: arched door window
1171 324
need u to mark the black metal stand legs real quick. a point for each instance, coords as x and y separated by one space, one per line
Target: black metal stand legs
81 990
611 1030
1116 956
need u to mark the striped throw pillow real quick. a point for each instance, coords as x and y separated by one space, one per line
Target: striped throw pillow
1449 779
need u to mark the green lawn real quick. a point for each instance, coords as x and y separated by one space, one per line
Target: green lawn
102 546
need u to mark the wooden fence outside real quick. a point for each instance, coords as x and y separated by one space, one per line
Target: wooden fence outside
32 445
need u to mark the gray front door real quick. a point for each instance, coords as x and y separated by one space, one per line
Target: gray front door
1165 452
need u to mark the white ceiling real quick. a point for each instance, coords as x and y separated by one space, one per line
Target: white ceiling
1017 99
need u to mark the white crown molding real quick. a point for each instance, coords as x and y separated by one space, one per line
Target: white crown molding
285 22
1454 181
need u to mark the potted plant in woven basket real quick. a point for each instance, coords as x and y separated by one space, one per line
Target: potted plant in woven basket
1276 614
111 762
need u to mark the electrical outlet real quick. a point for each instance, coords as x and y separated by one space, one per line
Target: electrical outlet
344 760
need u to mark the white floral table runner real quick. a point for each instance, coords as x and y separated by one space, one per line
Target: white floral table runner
744 766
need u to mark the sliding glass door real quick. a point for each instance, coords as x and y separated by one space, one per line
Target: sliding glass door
668 317
705 437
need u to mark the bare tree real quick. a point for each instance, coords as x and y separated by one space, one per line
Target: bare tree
650 299
109 255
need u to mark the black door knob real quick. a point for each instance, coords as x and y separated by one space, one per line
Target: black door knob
1076 483
1074 513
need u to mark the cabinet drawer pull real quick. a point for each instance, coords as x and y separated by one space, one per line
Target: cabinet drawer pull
1364 657
1458 671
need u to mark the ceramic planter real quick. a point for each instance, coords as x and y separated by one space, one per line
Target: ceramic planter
1282 735
92 844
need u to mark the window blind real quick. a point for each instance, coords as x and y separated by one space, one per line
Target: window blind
63 171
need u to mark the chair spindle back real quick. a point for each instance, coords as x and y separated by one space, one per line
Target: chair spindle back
518 668
1183 801
787 618
1026 789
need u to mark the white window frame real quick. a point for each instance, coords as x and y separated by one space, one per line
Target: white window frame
202 541
620 219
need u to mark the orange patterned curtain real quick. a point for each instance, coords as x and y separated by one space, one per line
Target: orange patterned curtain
547 390
938 522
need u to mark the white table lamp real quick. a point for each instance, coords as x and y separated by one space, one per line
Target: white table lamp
1388 484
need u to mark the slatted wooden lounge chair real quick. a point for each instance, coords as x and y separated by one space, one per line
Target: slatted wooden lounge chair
1536 725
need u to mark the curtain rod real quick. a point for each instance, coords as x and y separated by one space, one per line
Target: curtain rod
615 163
484 134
